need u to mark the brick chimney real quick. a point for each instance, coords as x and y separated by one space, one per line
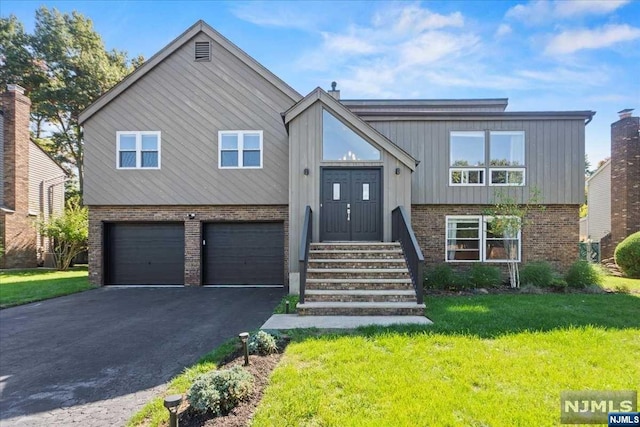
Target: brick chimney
17 229
625 176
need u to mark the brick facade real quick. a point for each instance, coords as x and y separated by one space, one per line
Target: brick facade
18 232
625 179
550 234
193 238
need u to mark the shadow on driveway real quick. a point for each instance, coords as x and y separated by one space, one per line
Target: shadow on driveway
108 342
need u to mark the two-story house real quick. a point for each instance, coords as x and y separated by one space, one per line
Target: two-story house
201 164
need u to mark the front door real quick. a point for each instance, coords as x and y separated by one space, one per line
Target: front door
351 204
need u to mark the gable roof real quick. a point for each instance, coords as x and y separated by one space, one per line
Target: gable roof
183 38
64 172
319 95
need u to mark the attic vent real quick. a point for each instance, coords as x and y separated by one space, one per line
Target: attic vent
203 51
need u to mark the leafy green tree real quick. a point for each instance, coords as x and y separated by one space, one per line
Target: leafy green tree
65 67
69 232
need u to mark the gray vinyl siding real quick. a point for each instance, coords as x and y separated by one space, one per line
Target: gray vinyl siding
554 159
46 184
189 102
306 152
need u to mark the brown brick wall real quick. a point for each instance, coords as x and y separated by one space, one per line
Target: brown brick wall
625 179
550 235
18 232
99 214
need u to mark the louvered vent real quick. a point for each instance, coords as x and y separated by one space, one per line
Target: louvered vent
203 51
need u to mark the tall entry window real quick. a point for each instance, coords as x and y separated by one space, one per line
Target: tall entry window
341 143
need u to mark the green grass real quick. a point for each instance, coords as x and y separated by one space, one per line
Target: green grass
488 360
622 284
25 286
293 300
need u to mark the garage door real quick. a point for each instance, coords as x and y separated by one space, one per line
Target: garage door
244 253
144 254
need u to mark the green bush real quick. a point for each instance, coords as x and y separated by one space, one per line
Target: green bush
262 343
442 276
537 273
582 274
220 391
485 276
627 256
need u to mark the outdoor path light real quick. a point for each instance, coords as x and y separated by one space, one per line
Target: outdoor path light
244 337
172 403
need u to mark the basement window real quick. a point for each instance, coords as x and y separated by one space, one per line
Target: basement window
203 51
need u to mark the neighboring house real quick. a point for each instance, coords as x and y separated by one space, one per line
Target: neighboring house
199 167
31 186
613 192
598 219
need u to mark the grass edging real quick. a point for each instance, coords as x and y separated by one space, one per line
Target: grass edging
154 413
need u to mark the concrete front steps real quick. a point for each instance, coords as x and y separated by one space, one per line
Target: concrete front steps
358 279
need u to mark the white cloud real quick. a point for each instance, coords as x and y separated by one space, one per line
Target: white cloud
347 44
503 30
545 11
273 14
414 19
574 40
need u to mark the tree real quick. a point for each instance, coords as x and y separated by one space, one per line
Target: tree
587 166
65 67
508 219
69 232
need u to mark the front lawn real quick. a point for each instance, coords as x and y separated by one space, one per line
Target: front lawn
488 360
621 284
24 286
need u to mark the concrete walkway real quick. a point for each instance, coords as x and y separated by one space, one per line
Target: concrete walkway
293 321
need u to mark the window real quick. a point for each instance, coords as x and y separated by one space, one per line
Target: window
240 149
138 150
506 151
468 155
473 239
341 143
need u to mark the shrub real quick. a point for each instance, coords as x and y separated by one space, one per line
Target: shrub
627 255
537 273
485 276
582 274
220 391
262 343
442 276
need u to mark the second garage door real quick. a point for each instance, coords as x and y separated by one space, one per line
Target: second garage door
144 254
249 253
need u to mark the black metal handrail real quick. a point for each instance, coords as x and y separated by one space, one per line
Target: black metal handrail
402 232
305 242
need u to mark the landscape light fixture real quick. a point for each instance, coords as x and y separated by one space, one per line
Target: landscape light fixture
172 403
244 337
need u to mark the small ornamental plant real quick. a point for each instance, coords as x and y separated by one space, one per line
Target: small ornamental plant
220 391
263 344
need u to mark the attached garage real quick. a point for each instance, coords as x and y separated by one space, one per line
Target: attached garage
247 253
144 253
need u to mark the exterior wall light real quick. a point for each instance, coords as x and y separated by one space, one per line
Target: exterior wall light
172 403
397 171
192 216
306 171
244 337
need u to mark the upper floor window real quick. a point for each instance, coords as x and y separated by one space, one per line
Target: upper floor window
469 157
341 143
240 149
138 150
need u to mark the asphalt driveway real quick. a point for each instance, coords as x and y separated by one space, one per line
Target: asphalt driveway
96 357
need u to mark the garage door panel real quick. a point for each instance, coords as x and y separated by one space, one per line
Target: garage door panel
145 253
244 254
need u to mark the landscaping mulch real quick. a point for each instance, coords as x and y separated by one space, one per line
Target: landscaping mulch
260 367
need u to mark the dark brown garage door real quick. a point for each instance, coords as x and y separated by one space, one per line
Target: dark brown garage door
244 253
144 254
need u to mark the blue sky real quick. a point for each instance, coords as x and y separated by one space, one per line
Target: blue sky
542 55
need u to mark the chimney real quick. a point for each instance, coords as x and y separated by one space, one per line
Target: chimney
16 110
625 176
333 92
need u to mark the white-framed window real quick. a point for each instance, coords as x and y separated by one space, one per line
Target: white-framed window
471 238
240 149
506 158
138 149
473 162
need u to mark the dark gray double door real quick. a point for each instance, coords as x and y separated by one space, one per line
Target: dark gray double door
351 204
